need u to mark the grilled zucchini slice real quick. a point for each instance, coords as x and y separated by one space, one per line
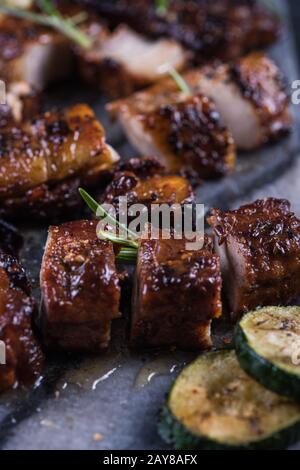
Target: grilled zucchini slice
268 348
214 404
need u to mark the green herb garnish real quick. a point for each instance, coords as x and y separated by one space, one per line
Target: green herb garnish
180 81
161 7
128 252
53 19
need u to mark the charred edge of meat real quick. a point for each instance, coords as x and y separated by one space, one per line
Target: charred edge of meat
208 28
254 75
193 132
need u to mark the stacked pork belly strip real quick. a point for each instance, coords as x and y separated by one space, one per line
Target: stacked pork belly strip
44 160
191 132
80 288
259 246
177 293
220 28
24 357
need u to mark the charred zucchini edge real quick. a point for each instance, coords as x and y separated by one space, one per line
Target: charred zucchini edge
263 370
175 434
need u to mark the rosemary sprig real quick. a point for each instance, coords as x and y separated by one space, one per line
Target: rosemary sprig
53 20
101 212
180 81
118 240
127 255
161 7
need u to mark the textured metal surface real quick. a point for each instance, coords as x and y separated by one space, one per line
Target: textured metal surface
111 401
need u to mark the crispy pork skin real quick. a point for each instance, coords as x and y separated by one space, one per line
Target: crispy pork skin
32 54
145 181
210 28
41 157
259 246
24 358
80 288
185 132
176 295
123 61
250 96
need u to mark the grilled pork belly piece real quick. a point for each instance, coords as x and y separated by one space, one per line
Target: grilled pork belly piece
184 132
22 103
80 288
249 95
211 28
41 158
123 61
145 181
259 246
176 295
24 358
31 53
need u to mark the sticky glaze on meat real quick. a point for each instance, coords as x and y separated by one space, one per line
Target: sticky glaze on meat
80 288
41 158
177 294
259 245
211 28
145 181
24 358
184 132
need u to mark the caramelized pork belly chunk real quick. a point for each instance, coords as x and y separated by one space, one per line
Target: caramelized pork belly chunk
24 358
22 103
145 181
210 28
259 246
123 61
31 53
46 152
251 88
184 132
176 295
80 288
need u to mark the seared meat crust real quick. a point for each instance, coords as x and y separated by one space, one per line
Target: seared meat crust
24 358
224 29
260 252
145 181
177 294
80 288
185 132
42 158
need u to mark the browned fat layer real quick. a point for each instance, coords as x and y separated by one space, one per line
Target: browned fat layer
261 82
221 28
193 132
